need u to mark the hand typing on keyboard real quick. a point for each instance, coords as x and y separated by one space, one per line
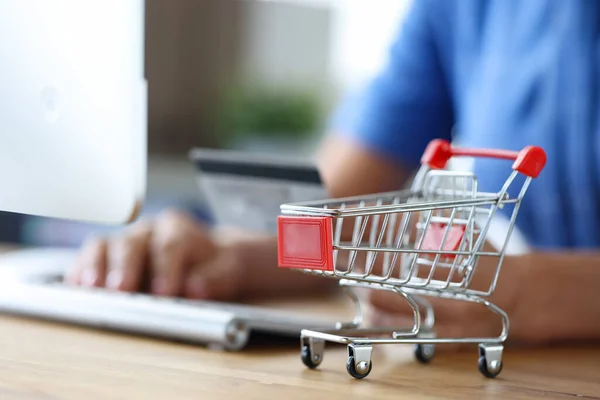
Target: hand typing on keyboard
174 255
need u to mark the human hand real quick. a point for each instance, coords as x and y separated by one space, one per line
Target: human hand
174 255
454 319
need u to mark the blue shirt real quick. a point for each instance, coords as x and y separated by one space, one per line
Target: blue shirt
498 74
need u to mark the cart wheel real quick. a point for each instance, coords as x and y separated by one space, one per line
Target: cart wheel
310 362
490 359
424 353
362 371
483 368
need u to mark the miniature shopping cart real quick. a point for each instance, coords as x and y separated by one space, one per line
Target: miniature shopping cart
427 241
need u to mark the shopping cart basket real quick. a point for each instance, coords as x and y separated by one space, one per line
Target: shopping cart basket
425 241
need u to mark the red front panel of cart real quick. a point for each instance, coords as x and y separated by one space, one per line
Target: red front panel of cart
305 242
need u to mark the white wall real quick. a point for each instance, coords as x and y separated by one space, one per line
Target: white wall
363 30
287 41
342 41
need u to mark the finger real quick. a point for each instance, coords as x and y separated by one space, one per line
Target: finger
376 317
477 328
389 305
242 268
177 243
167 254
127 257
394 304
215 279
73 272
72 275
90 265
453 318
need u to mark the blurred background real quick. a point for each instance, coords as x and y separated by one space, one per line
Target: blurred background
249 75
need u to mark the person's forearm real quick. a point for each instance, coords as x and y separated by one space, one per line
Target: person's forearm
348 169
563 296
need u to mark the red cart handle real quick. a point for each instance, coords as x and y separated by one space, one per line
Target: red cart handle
530 161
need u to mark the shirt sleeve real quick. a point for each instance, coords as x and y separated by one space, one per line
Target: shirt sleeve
407 104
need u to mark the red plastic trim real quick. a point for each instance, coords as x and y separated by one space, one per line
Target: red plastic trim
305 242
435 235
530 161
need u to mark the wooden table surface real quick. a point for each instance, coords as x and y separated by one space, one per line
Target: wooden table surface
46 361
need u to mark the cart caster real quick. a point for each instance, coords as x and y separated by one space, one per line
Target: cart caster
359 371
490 360
312 352
359 362
424 353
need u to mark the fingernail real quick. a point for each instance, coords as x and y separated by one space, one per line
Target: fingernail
114 279
89 277
159 286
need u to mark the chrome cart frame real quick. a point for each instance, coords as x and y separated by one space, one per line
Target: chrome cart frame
429 241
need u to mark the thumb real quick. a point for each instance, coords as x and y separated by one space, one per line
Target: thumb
215 279
381 319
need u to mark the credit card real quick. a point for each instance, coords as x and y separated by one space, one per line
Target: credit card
246 190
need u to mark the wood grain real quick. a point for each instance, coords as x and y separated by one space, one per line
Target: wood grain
47 361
